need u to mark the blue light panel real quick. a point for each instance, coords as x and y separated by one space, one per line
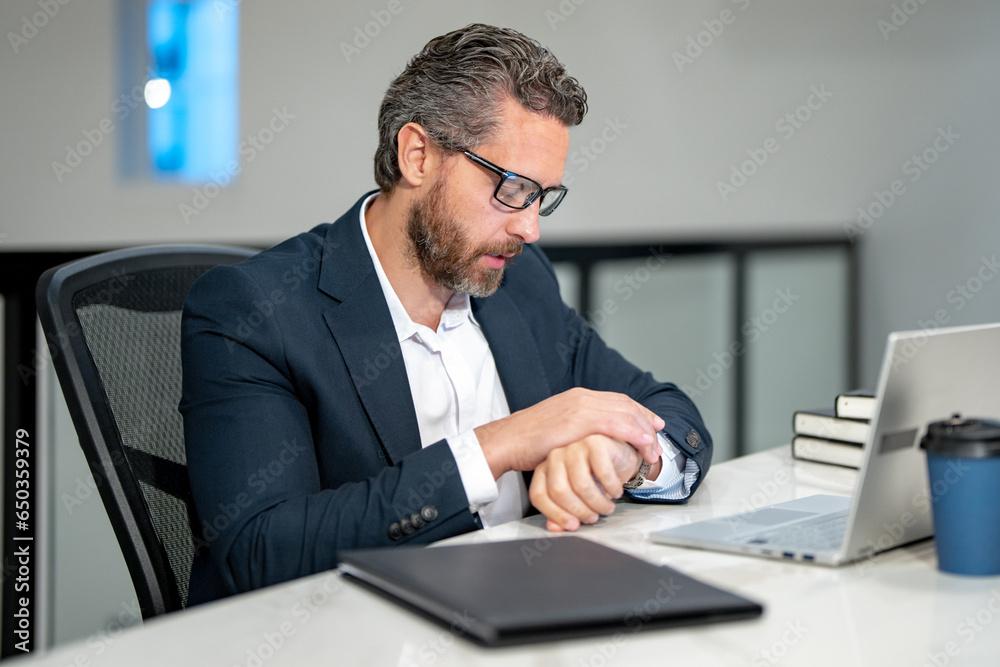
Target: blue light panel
194 46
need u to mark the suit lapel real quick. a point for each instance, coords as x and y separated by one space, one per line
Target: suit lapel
363 330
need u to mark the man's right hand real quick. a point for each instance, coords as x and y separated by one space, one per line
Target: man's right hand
524 439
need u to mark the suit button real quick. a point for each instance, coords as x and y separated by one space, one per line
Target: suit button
693 439
395 532
417 520
405 526
429 512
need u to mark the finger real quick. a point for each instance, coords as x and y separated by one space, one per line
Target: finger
648 444
655 421
603 470
563 494
580 470
628 404
649 452
643 441
619 417
541 500
618 425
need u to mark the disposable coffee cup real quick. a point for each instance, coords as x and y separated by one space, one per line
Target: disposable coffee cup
963 468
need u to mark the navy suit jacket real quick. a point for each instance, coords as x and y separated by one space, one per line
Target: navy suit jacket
299 425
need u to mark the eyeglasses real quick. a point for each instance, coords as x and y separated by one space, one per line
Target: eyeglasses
518 191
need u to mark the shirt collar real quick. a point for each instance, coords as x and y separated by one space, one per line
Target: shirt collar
458 310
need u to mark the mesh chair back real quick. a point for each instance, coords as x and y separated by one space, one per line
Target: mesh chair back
113 324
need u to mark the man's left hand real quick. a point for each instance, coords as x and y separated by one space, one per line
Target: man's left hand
576 484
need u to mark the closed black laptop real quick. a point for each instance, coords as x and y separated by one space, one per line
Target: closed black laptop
501 593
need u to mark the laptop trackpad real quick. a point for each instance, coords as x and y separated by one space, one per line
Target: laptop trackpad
772 516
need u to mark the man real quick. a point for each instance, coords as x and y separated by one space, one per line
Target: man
396 377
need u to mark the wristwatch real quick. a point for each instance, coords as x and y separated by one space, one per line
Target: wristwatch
640 476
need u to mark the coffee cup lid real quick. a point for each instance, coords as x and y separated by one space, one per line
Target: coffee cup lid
967 438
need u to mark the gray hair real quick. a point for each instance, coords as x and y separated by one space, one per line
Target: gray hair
454 87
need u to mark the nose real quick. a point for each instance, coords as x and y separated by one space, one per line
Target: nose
524 224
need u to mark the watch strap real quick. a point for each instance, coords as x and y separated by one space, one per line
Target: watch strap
639 477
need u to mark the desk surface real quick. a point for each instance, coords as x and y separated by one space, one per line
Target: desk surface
896 609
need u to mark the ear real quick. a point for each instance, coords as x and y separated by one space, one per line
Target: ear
418 160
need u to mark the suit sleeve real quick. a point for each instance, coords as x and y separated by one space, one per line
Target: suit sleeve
253 462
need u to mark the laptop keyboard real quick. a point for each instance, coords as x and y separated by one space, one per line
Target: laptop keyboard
819 534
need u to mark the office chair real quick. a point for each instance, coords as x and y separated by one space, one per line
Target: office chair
113 324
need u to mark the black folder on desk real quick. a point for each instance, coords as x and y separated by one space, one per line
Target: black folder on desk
502 593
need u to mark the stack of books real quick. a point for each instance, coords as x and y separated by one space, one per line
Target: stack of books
835 436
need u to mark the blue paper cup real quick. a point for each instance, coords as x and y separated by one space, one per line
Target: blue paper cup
963 468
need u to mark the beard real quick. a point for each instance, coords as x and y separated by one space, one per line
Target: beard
442 249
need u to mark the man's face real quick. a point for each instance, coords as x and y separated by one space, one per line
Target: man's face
461 236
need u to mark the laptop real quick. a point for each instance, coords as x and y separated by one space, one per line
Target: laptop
926 376
520 591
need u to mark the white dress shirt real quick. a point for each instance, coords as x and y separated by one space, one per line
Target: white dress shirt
455 388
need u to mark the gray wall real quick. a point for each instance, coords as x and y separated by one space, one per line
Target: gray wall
661 139
680 129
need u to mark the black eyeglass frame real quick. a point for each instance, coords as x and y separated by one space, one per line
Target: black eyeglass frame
506 175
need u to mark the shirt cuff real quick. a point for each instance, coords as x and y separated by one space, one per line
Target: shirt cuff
477 478
677 475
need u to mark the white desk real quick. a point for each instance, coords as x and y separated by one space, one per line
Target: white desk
896 609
